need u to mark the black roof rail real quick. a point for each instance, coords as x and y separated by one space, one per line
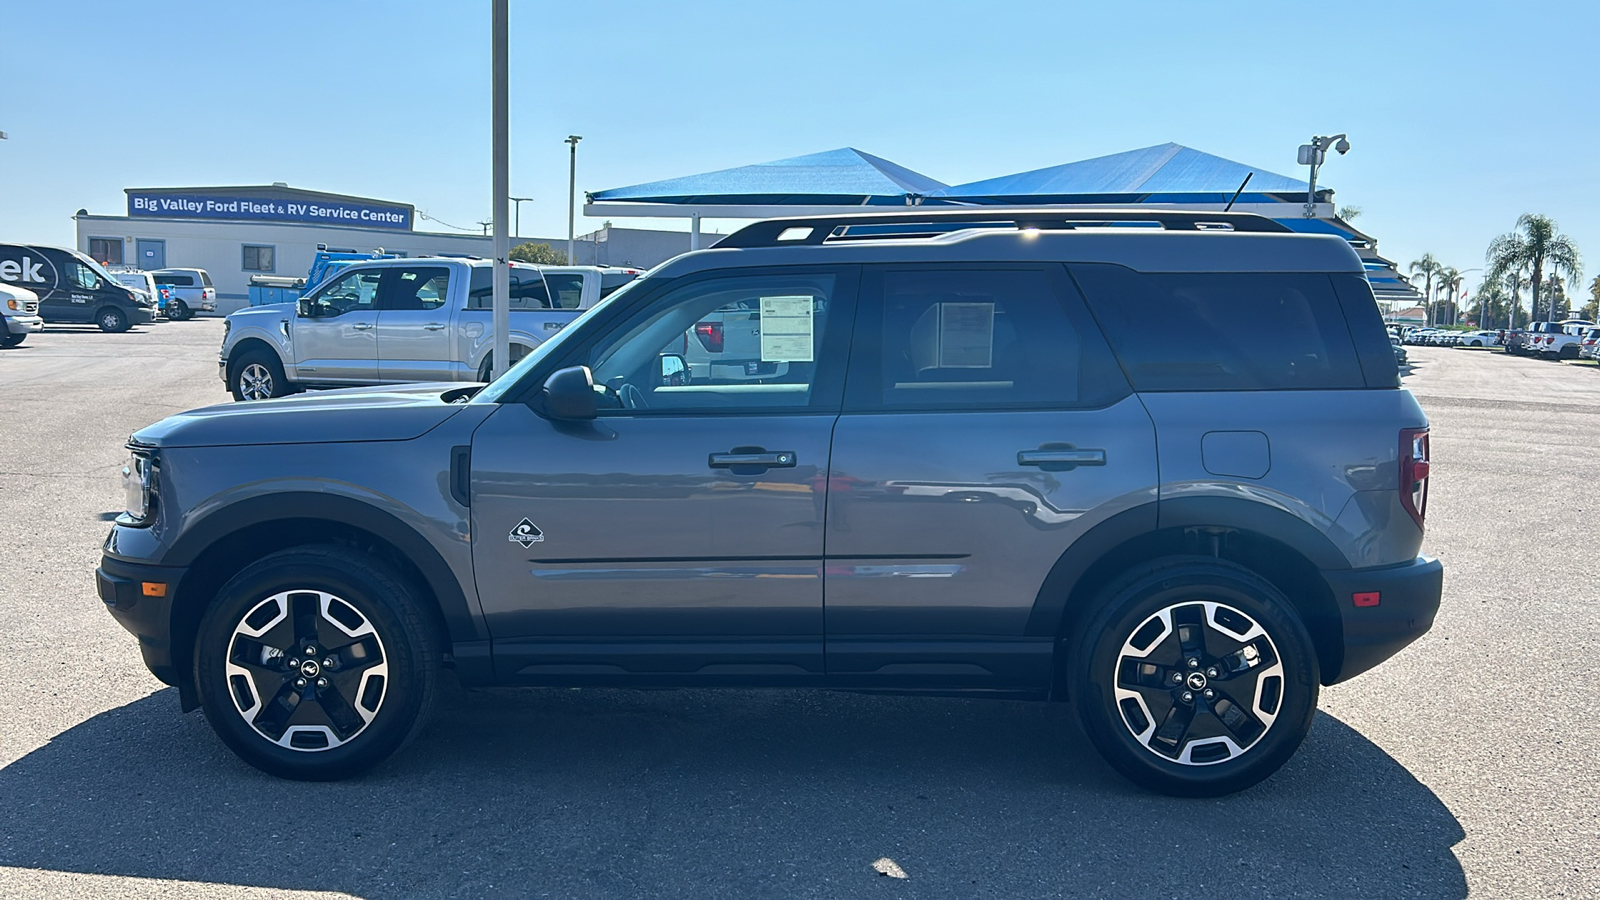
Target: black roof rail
812 230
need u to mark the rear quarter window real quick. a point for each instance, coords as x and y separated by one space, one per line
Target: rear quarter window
1222 331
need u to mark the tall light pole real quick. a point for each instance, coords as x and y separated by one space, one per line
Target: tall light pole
572 197
501 304
1312 155
516 230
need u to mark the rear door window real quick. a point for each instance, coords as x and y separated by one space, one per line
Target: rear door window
1222 331
974 338
566 289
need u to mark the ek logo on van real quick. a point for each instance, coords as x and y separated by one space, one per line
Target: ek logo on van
527 534
27 270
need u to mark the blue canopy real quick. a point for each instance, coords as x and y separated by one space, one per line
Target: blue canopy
845 176
1165 173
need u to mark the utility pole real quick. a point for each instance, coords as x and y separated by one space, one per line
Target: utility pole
572 197
499 53
516 230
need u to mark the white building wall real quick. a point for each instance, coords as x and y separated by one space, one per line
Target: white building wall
218 246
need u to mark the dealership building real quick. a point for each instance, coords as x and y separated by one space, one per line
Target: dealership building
235 233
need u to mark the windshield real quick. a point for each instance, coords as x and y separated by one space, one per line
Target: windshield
501 385
98 269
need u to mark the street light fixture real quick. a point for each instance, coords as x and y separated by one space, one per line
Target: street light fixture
572 196
1312 155
517 228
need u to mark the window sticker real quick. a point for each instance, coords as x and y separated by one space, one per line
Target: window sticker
966 335
786 329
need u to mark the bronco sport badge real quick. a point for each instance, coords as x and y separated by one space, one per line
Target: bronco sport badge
527 534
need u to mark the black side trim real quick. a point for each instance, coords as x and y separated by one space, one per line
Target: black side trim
461 475
460 618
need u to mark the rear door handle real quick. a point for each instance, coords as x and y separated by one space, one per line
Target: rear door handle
434 326
1052 459
765 458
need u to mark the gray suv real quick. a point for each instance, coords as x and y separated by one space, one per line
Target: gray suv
963 464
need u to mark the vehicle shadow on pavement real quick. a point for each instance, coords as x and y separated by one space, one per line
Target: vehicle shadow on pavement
719 794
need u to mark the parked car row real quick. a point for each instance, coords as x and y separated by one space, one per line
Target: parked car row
1566 339
1440 337
57 285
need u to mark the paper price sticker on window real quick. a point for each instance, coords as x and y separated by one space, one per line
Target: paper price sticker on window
786 329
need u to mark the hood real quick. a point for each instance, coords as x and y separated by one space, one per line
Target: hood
272 310
397 413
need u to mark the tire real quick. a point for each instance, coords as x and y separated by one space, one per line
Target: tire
1130 648
9 340
257 375
112 320
364 692
486 371
179 311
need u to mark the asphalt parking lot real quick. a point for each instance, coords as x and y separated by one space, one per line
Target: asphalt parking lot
1465 765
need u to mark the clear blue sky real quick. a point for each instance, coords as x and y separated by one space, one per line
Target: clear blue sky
1462 115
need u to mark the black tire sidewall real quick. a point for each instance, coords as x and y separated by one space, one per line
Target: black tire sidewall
389 604
121 319
1125 605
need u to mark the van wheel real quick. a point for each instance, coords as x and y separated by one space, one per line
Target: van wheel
9 340
111 320
316 663
257 376
1195 677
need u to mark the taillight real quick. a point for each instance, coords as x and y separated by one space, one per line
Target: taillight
710 335
1414 470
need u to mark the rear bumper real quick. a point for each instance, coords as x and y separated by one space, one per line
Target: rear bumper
122 587
1398 604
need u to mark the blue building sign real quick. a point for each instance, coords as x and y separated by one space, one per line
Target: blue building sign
313 211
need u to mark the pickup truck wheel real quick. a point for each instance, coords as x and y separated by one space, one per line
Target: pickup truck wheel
257 376
179 311
111 320
1195 677
316 663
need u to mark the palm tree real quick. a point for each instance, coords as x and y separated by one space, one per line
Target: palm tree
1449 285
1533 246
1556 298
1513 280
1428 267
1348 213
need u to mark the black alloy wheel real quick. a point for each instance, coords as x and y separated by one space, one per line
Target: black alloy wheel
1195 678
316 663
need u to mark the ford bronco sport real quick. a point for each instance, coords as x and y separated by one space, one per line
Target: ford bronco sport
961 464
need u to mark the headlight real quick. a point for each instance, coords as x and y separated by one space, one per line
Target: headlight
138 488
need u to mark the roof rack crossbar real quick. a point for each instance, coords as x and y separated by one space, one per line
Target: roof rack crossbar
926 223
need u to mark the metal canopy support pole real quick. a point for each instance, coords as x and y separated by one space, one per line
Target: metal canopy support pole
572 199
502 190
694 232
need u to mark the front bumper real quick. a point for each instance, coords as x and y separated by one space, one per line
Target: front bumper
1382 610
20 324
142 315
130 594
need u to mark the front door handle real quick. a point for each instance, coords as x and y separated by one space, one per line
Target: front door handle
1057 459
754 457
434 326
362 326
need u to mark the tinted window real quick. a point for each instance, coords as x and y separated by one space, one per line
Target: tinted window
610 281
414 288
256 259
205 277
527 289
566 289
81 276
977 338
175 280
739 343
1222 332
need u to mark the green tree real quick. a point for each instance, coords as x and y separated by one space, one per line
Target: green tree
1556 300
1534 246
1348 213
538 253
1427 267
1493 302
1592 308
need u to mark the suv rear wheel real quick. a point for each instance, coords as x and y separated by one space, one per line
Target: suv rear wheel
315 663
1195 677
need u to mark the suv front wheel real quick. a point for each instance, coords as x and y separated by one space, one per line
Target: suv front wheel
1195 677
315 663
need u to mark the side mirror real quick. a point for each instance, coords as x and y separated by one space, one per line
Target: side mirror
569 394
306 310
672 370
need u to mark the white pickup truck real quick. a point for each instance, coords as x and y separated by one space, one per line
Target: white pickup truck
394 321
